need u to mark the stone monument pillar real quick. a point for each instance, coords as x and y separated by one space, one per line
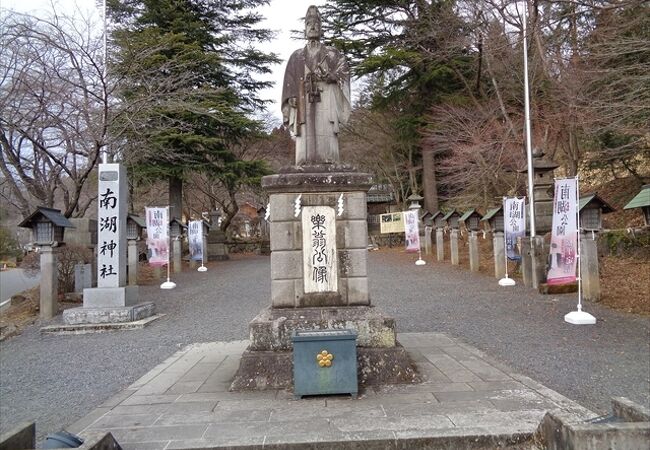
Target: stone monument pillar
453 246
132 253
498 244
427 239
319 234
176 252
440 244
589 271
474 258
49 304
112 300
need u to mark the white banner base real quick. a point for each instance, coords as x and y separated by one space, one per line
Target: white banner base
420 262
202 269
168 285
580 317
506 282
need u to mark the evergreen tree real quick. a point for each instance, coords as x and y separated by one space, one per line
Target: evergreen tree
187 70
418 53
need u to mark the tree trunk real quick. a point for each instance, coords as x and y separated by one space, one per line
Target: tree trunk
429 181
175 198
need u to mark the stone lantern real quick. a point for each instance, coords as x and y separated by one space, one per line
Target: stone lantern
472 221
415 200
176 230
134 226
591 209
48 226
534 252
642 201
438 220
494 220
452 220
217 246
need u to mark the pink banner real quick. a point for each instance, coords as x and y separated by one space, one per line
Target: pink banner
158 236
564 235
411 230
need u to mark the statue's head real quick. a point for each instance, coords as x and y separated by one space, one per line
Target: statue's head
312 24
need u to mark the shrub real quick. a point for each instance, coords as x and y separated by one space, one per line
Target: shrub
66 257
9 247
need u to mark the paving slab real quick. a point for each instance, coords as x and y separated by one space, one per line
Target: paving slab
466 401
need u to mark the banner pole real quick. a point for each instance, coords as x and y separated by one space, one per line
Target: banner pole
168 284
507 281
202 268
579 317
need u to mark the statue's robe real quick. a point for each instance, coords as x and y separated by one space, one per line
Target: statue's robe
315 125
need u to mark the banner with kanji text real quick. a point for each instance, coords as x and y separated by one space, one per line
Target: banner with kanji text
158 235
564 234
195 238
411 231
514 225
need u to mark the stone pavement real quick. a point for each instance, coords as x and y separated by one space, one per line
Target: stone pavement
466 401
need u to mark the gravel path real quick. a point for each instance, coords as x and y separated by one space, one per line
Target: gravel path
55 380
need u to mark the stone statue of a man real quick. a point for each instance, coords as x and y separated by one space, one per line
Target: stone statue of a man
316 96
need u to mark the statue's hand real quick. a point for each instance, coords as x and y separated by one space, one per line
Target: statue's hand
293 102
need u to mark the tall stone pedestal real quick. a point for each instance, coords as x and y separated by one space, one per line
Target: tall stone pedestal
498 244
589 271
474 258
440 245
453 247
49 304
319 278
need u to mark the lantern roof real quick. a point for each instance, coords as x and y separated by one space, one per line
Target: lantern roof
51 214
181 224
435 215
138 220
594 199
492 212
470 213
450 214
640 200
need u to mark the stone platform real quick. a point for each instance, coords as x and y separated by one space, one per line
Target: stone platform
111 314
267 362
466 401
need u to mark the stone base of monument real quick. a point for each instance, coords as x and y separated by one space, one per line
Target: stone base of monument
217 247
268 362
109 314
109 305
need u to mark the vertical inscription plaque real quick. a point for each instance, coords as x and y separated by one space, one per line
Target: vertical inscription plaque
319 249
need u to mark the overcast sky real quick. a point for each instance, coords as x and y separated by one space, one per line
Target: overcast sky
281 16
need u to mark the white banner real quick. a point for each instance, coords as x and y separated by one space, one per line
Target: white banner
411 230
158 235
514 225
564 234
195 239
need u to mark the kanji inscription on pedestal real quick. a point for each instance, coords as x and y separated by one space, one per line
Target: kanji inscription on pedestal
320 266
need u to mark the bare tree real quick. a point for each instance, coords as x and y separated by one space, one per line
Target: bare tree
53 111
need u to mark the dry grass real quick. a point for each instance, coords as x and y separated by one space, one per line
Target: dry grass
625 283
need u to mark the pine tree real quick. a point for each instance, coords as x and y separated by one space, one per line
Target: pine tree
187 71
